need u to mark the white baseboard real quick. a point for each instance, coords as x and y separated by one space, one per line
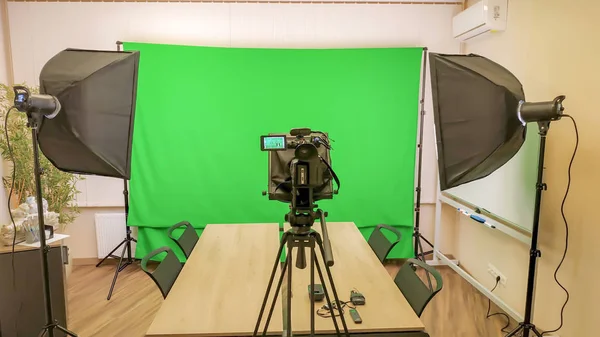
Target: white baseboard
499 302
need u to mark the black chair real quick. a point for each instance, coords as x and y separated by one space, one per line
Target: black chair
413 288
380 243
187 240
167 271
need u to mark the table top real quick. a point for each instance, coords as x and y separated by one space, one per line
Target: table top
220 290
356 267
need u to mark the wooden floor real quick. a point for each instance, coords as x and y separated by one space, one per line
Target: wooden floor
457 311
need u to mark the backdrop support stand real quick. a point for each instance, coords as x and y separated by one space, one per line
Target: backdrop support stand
34 120
534 253
126 243
417 236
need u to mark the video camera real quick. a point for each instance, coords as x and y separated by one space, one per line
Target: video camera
300 172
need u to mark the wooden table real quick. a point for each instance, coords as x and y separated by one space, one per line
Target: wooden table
220 289
356 266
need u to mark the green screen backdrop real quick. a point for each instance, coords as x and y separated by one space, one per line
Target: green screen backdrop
201 110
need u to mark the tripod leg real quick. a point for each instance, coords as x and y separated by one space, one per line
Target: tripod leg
329 304
536 332
69 333
312 287
330 277
419 246
422 255
43 332
289 291
127 263
514 332
424 239
111 253
112 286
271 279
129 259
279 283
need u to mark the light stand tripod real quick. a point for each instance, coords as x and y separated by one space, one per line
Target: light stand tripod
301 236
534 253
128 238
34 121
126 243
417 236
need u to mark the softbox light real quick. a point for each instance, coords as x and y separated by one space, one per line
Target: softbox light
92 133
475 103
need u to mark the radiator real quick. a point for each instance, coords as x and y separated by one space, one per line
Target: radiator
110 231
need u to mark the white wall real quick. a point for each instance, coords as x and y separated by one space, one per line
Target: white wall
3 46
82 240
552 47
100 25
4 217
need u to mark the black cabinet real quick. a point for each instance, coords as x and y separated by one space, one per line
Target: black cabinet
22 312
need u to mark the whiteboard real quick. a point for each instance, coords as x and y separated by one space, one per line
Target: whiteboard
509 192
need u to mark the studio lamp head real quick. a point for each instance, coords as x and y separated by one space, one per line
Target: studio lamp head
540 111
46 105
480 115
88 97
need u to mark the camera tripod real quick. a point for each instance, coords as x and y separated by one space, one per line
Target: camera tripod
301 236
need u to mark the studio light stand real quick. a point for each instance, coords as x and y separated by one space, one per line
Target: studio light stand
34 120
542 112
126 243
471 92
301 237
417 236
534 253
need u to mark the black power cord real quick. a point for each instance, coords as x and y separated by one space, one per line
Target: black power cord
488 315
562 212
12 187
325 312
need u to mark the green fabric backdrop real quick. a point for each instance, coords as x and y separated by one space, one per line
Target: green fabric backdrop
201 110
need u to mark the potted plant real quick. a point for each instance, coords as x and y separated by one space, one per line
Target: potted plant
58 187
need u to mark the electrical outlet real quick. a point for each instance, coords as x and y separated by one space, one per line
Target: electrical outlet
495 273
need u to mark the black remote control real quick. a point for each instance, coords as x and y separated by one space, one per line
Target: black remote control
355 316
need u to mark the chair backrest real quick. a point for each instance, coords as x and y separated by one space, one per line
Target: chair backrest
380 243
187 240
417 293
167 271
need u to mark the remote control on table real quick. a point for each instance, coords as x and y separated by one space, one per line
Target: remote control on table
355 316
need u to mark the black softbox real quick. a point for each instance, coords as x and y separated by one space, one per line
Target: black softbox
475 103
93 131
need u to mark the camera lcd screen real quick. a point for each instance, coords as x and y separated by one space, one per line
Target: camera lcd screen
272 143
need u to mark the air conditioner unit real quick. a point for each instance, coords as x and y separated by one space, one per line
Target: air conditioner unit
483 17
